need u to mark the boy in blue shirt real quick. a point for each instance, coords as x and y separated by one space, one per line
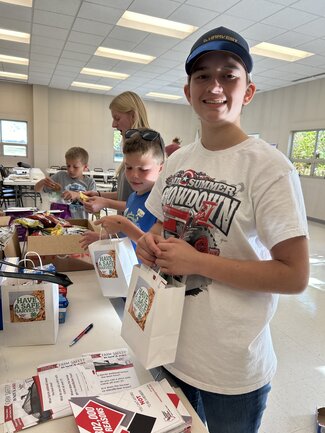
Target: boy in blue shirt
144 154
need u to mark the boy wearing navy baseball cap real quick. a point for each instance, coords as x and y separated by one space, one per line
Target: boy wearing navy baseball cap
239 239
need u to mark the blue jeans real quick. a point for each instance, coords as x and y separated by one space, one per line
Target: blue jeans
227 413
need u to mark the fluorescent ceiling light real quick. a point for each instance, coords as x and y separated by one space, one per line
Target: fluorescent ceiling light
27 3
13 75
151 24
12 59
163 95
123 55
279 52
102 73
10 35
90 85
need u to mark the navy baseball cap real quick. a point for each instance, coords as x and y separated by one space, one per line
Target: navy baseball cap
220 39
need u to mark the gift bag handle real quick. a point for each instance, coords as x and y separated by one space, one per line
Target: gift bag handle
52 277
34 253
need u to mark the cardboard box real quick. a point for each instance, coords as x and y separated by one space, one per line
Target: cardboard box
65 251
12 248
320 420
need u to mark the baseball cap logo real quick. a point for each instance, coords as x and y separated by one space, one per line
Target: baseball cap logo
218 37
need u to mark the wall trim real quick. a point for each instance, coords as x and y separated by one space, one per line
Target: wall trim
316 220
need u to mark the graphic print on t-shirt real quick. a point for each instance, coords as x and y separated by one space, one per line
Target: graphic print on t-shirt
200 210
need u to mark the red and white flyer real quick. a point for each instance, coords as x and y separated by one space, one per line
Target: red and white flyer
144 409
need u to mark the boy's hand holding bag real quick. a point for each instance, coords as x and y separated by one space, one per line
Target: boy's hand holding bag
113 260
152 317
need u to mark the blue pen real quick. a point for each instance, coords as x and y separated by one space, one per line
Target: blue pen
74 341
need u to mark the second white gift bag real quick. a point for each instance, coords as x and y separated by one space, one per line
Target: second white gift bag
113 260
152 317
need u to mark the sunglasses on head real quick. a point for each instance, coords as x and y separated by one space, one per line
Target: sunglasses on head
146 134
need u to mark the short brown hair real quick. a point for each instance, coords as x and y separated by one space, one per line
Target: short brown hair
137 144
77 153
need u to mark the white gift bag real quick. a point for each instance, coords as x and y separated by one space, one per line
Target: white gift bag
30 313
113 260
152 317
30 303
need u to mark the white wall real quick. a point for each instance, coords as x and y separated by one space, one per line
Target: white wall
16 103
59 119
276 113
84 119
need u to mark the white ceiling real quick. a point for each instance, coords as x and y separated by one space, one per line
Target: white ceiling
66 33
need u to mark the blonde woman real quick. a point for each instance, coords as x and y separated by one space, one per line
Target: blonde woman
128 112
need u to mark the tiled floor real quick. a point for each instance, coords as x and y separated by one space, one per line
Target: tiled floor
298 330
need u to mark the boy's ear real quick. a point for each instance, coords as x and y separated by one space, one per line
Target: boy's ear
250 92
187 92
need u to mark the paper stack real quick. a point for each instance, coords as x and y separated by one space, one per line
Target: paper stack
45 396
149 408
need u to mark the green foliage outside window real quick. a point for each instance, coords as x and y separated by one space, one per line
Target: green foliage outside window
118 154
308 152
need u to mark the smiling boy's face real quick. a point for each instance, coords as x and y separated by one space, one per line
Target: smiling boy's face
218 88
141 171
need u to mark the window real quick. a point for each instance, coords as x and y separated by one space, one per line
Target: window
13 137
308 152
254 135
118 153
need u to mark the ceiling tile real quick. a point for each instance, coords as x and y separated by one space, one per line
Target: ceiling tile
53 19
92 27
64 7
92 11
66 33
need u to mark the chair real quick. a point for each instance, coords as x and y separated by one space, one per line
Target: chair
23 164
9 196
29 191
56 167
4 171
98 170
63 167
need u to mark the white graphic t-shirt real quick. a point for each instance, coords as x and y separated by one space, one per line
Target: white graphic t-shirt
239 203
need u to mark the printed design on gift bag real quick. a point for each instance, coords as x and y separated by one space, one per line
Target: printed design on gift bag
106 264
27 306
141 302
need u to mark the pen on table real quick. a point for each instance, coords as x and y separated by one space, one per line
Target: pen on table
74 341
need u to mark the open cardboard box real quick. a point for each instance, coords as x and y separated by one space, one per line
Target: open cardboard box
320 420
12 248
65 251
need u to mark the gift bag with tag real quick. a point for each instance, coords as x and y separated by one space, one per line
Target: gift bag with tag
152 317
113 260
30 305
